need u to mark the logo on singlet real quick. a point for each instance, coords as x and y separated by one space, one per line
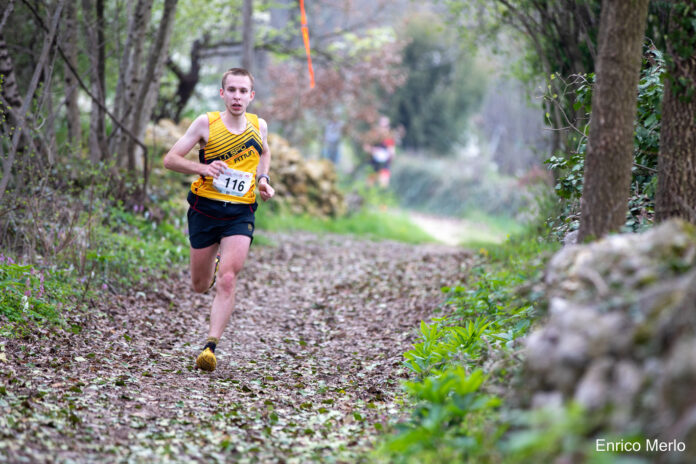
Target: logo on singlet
233 152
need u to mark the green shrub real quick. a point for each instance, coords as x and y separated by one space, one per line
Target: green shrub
461 357
446 423
32 295
131 247
78 244
570 166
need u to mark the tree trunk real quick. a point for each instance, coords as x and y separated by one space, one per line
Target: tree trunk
129 78
610 146
119 100
22 128
676 185
147 95
101 73
12 102
97 135
49 133
248 35
10 91
71 85
6 14
134 79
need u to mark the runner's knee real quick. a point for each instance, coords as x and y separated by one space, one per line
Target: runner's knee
199 285
226 281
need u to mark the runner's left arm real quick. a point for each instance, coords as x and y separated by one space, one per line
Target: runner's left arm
265 189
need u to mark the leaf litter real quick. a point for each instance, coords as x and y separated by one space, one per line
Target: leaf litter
309 368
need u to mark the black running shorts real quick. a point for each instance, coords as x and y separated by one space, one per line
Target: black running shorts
211 220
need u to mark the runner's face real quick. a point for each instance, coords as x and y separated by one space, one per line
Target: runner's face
237 94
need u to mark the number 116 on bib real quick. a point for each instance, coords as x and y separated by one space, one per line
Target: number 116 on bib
233 182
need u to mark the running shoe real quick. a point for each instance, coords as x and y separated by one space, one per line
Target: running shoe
206 360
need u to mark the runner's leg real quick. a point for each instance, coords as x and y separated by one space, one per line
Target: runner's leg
203 267
384 175
233 253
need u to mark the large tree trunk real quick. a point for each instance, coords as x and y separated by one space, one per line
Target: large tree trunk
248 35
676 185
610 146
71 85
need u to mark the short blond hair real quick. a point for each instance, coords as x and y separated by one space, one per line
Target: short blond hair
237 72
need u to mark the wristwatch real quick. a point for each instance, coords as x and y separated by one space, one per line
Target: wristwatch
258 178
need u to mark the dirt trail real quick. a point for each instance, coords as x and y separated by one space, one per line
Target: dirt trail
455 231
310 363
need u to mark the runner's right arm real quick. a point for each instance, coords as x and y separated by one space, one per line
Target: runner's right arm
175 158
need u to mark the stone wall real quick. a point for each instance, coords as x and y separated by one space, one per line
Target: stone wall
620 338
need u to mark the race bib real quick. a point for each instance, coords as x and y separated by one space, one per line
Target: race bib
233 182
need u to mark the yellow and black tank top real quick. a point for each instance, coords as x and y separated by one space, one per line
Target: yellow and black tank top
241 153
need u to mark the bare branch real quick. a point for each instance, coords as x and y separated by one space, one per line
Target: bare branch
645 167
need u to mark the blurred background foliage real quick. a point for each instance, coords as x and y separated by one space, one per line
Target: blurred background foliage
443 88
480 93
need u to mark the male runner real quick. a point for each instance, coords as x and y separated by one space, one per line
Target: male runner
233 159
381 145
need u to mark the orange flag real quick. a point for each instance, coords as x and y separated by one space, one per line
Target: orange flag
305 37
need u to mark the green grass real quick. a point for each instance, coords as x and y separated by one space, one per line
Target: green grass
371 222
